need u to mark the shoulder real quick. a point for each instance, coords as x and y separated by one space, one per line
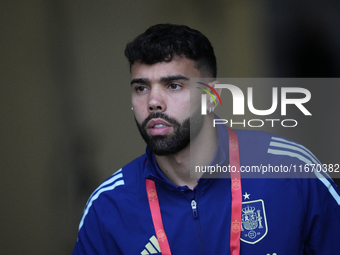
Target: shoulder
124 180
280 157
112 193
275 146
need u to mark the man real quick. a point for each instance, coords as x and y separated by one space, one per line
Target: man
152 206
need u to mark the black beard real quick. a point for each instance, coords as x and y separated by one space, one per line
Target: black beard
162 145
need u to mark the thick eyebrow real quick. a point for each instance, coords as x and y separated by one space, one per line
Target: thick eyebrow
174 78
139 80
163 79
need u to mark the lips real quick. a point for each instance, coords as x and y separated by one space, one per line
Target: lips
158 127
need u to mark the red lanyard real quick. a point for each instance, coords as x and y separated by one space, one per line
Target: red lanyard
236 193
157 218
236 202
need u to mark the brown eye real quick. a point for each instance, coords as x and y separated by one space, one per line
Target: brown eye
174 86
140 88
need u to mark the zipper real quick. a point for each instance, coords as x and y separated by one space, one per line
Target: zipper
194 209
195 215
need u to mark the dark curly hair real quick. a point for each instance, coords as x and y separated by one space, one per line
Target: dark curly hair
162 42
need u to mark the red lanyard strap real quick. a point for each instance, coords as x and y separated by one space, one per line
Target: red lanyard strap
236 193
156 217
236 204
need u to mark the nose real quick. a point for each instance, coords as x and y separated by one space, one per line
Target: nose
156 100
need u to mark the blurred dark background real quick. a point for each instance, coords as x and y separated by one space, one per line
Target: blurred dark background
66 123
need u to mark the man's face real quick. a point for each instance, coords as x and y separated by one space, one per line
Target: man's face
161 102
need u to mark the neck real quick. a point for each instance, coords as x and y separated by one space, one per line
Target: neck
176 167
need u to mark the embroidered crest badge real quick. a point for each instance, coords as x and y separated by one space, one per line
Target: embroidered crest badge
254 222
